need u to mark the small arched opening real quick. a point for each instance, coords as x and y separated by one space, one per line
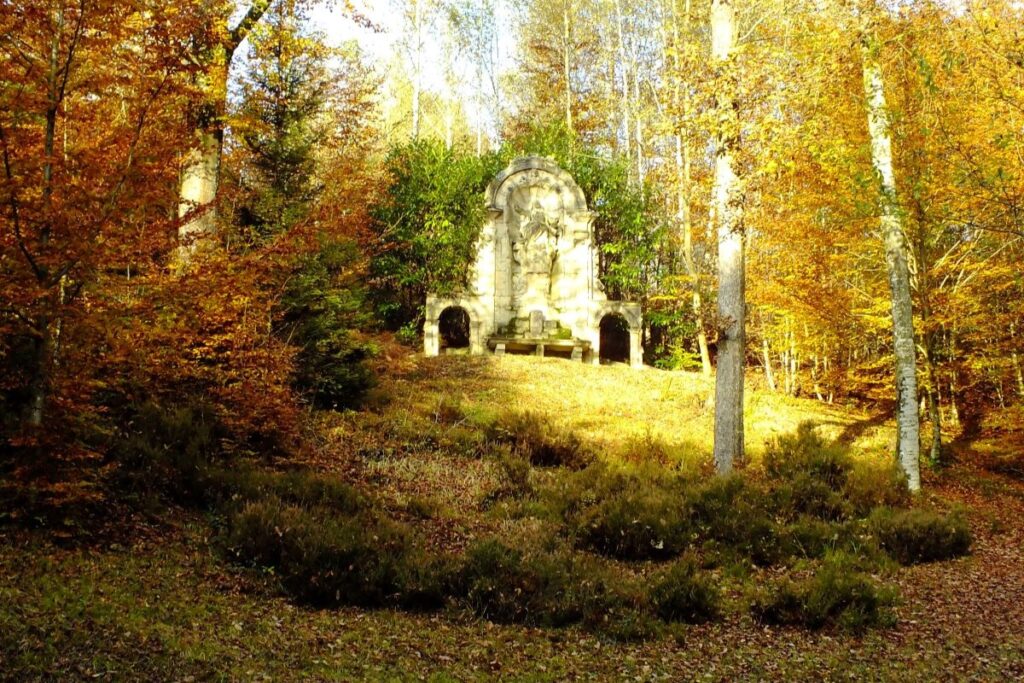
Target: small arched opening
614 339
453 328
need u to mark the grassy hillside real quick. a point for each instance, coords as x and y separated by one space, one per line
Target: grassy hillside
166 605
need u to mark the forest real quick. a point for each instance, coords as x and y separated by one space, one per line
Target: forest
225 456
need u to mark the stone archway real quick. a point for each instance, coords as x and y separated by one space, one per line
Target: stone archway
453 328
615 339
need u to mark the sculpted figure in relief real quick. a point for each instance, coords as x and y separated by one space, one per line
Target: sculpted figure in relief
537 223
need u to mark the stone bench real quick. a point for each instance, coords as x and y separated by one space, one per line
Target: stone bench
538 345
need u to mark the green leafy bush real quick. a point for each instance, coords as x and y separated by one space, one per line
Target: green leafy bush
837 594
553 587
427 582
915 536
514 472
874 484
426 224
682 594
811 537
805 494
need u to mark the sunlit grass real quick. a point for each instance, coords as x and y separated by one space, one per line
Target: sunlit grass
626 415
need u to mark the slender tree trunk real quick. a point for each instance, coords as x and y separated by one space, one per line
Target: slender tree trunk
684 184
639 123
814 379
567 65
626 130
44 346
934 404
42 364
731 268
417 67
896 261
1015 359
769 376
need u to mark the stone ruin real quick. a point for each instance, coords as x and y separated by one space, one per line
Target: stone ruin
533 287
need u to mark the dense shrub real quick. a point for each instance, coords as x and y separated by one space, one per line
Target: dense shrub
322 558
541 442
914 536
425 581
321 312
874 484
168 451
811 537
731 512
506 585
807 453
639 521
837 594
426 224
553 587
805 494
682 594
247 483
513 471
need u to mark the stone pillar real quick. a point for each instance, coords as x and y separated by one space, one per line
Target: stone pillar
636 354
431 338
476 340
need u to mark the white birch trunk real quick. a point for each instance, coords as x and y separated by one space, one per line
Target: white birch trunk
731 269
896 262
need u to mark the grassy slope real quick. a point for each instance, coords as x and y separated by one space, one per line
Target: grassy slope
167 608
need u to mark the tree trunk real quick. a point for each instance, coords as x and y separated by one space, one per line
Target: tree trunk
39 383
417 67
731 268
639 123
934 413
566 65
626 130
769 376
684 183
200 173
200 176
896 262
1015 359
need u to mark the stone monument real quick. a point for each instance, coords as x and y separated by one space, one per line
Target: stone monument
534 286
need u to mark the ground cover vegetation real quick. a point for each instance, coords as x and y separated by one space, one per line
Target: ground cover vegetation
220 454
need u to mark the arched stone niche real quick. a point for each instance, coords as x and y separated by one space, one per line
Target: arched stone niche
534 281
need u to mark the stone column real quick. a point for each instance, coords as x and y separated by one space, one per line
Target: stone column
431 339
476 340
636 354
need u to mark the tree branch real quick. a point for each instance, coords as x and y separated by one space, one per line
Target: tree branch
13 204
240 32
